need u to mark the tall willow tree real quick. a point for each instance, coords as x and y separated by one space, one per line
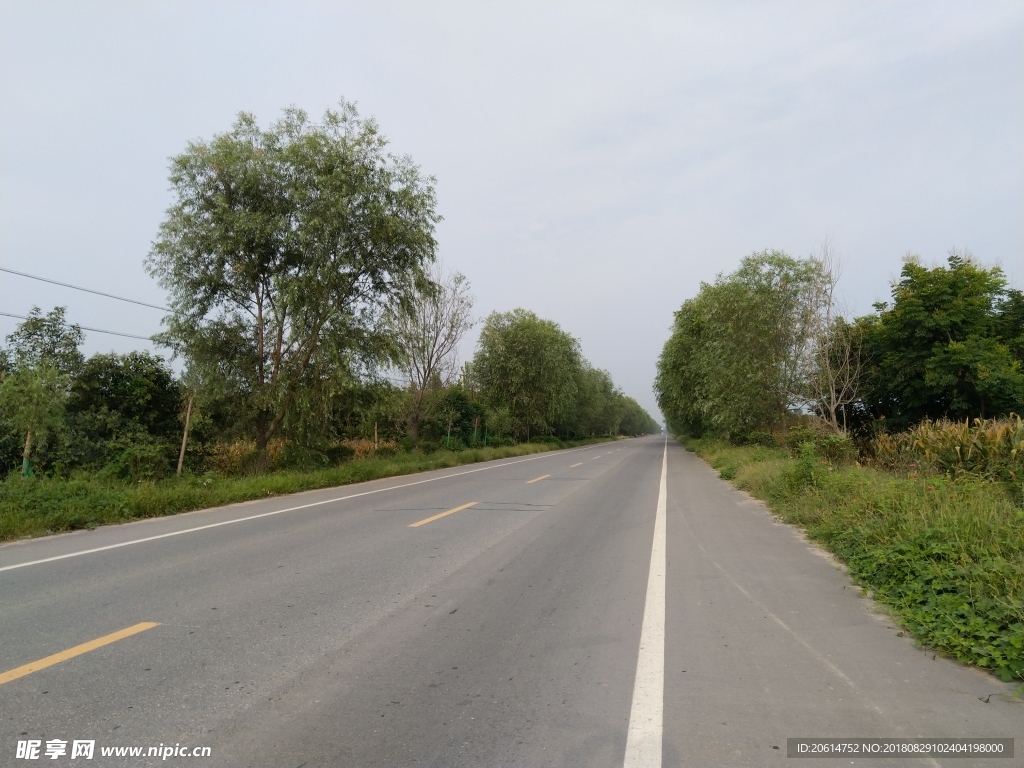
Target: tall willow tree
736 360
282 250
529 366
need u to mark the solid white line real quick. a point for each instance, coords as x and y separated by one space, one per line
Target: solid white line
545 455
646 716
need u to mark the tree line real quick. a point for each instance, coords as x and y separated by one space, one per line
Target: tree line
770 341
307 308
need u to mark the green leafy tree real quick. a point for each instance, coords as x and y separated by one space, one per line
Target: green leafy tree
683 375
41 356
119 407
32 400
457 417
357 408
943 348
528 366
636 420
735 362
282 250
137 388
1010 323
599 405
45 340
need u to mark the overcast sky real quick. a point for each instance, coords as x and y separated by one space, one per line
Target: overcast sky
595 161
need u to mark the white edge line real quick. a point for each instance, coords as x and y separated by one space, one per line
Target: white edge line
647 713
545 455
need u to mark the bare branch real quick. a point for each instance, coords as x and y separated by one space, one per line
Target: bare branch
833 361
428 334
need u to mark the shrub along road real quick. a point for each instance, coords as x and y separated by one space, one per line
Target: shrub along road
485 615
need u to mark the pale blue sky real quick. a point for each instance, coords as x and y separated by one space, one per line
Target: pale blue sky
595 161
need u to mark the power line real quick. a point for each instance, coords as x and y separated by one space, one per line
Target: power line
84 327
87 290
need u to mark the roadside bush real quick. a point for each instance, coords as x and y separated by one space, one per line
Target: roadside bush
454 444
141 460
824 441
837 449
759 438
797 436
295 456
549 439
336 454
499 441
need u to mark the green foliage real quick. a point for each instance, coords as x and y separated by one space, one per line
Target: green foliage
635 420
358 406
837 449
946 556
948 346
759 437
36 366
138 457
530 366
281 252
534 379
122 418
456 417
138 387
732 365
817 437
548 440
1010 323
44 340
32 401
605 410
118 414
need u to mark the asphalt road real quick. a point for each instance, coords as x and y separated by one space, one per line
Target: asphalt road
538 627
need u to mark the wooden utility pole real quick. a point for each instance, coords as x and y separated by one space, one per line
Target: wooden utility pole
184 437
26 468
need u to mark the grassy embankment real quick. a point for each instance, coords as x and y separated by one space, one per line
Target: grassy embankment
39 506
943 550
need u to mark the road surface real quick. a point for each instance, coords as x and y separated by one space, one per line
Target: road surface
616 605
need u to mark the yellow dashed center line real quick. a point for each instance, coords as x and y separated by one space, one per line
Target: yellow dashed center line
78 650
536 479
443 514
576 465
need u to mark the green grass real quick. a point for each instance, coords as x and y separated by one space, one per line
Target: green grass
945 554
39 506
